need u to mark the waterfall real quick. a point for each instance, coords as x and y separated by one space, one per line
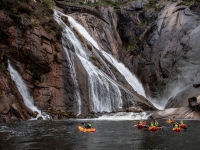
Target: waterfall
21 86
73 75
104 93
130 78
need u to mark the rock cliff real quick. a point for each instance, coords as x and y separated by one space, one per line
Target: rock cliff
158 41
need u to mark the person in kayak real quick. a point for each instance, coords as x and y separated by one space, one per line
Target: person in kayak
151 124
176 125
169 120
181 122
87 126
156 123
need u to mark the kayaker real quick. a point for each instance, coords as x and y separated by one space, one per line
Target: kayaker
151 124
87 126
176 125
156 123
181 122
140 122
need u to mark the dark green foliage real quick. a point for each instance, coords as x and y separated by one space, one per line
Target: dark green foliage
35 72
89 46
150 4
24 8
44 14
48 3
132 45
3 63
14 14
24 1
55 57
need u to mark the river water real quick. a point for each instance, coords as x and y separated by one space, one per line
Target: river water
110 135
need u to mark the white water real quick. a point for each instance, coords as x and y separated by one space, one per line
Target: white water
125 116
73 75
131 79
104 93
21 86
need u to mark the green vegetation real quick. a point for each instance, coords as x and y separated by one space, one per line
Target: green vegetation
151 4
187 3
97 5
40 13
3 63
96 61
132 45
89 46
35 72
80 37
55 57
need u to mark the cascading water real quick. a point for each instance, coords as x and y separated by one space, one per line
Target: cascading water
105 94
73 75
134 82
21 86
130 78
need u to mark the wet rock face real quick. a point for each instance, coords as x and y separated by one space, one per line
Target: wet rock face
159 44
176 113
163 55
38 57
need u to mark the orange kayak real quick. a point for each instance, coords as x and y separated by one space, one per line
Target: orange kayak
182 125
153 128
170 121
80 128
177 129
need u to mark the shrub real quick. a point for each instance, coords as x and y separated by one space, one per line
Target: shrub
79 35
55 57
24 8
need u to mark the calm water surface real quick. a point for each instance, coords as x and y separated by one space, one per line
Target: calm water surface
110 135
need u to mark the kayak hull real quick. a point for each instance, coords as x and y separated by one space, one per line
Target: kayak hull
182 125
140 126
177 129
153 128
80 128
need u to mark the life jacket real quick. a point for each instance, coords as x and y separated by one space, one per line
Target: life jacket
152 124
156 123
176 125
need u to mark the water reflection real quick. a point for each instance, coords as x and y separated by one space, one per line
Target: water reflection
112 135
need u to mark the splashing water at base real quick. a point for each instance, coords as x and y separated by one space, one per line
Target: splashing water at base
125 116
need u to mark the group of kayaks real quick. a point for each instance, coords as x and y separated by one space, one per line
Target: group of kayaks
141 125
175 128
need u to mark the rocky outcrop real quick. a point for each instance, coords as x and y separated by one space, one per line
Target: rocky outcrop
38 57
176 113
164 54
157 41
